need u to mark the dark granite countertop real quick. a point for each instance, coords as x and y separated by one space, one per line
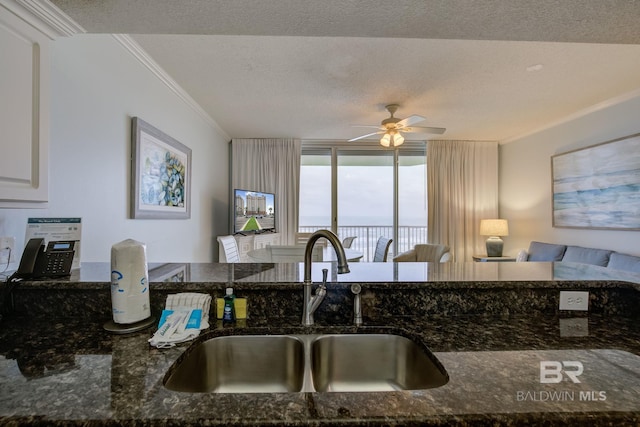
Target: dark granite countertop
59 367
405 272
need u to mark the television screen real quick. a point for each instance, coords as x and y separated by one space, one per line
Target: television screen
254 212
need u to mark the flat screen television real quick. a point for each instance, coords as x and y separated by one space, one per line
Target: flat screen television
253 212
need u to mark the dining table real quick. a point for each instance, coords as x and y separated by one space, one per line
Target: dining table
328 254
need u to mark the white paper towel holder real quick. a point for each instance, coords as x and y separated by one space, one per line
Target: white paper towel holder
129 288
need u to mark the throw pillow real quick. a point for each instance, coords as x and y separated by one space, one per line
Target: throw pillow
624 262
587 255
539 251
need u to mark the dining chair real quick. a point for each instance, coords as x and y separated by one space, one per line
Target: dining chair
348 241
382 249
230 246
302 238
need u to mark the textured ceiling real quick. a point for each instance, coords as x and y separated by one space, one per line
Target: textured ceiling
308 68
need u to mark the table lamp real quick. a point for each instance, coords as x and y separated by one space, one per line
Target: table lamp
494 228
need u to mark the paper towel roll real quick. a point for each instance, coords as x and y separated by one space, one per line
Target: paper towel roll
129 282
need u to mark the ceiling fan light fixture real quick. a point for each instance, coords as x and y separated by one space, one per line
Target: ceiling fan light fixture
385 141
391 138
392 128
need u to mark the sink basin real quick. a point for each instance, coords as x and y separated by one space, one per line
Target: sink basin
241 364
305 363
372 362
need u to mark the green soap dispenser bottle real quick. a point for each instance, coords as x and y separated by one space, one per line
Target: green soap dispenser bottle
229 310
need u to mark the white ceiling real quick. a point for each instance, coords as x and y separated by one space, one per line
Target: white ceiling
309 69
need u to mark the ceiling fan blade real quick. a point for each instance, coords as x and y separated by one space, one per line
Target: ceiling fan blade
424 129
365 136
409 121
367 126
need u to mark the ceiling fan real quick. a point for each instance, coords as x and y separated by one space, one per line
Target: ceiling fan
393 127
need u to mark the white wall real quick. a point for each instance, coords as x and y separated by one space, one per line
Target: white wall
525 178
97 86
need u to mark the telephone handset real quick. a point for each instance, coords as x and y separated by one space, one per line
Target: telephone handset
37 262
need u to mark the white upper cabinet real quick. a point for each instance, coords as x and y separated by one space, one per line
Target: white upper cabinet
24 112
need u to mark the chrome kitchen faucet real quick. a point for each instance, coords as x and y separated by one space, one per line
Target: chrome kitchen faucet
311 302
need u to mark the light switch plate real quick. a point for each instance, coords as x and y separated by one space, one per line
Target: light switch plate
574 300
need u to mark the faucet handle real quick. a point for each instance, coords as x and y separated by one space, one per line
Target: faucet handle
325 273
357 305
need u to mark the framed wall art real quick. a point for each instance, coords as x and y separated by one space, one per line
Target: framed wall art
598 187
161 174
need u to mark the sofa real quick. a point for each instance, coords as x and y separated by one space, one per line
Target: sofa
539 251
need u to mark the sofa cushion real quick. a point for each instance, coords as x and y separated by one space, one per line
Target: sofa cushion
587 255
624 262
539 251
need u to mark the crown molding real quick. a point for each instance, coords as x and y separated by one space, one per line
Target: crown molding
577 115
45 17
145 59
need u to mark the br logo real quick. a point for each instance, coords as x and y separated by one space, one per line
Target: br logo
553 372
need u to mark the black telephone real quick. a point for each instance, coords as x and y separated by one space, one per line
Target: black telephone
37 263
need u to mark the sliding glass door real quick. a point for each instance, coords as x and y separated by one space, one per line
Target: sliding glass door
365 197
412 200
314 211
365 191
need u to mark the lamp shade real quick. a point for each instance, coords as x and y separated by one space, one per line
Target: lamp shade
392 138
494 227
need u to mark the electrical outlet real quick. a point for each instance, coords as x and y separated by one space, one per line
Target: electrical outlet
574 300
7 249
574 327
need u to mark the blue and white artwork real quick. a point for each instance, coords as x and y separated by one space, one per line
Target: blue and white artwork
163 171
161 174
599 186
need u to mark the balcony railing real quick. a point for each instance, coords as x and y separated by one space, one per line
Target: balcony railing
367 237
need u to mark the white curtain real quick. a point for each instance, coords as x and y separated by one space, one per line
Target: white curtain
462 179
272 166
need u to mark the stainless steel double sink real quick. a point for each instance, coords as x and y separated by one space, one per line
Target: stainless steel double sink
306 363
